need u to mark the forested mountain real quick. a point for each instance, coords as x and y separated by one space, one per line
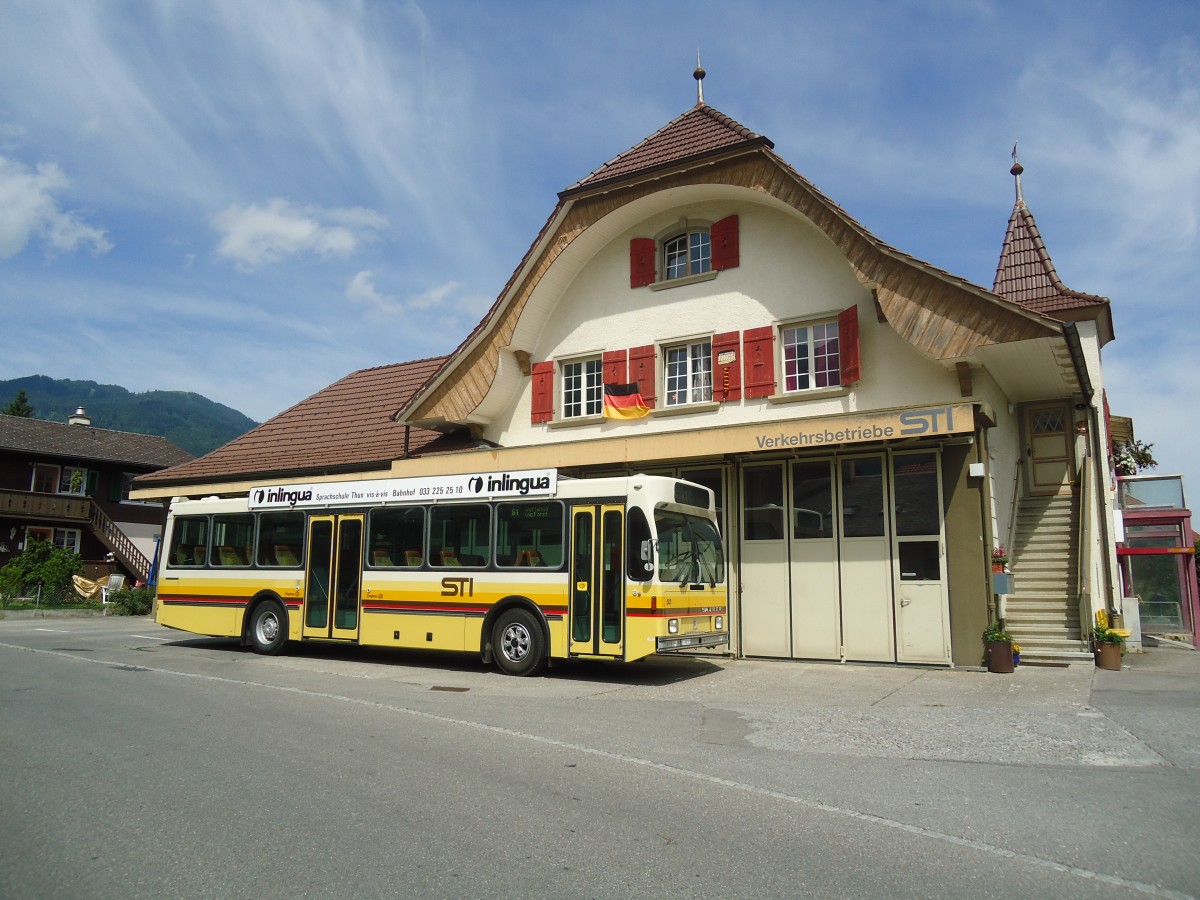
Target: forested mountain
188 420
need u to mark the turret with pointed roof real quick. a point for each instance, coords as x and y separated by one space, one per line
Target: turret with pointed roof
1026 274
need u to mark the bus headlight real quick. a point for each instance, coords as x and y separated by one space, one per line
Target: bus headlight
719 622
672 626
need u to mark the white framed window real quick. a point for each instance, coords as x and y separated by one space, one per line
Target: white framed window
811 356
582 388
688 373
686 254
67 539
73 480
45 479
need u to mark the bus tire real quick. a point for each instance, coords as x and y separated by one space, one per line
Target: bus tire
268 628
518 645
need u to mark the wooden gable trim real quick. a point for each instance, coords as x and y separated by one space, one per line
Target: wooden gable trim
939 314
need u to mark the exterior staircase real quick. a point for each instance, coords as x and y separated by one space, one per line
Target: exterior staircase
1042 613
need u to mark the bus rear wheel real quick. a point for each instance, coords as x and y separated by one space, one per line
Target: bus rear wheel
517 643
268 628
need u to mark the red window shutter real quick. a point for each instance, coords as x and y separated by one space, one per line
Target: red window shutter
615 369
727 373
542 401
848 345
641 371
758 353
724 236
641 262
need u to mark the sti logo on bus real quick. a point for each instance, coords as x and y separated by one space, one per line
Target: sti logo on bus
506 484
928 421
279 495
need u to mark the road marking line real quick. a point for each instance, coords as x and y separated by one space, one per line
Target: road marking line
150 637
744 787
54 630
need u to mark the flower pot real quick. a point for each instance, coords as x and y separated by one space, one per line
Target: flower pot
1108 656
997 568
999 656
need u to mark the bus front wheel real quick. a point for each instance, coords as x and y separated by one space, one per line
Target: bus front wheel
517 643
268 628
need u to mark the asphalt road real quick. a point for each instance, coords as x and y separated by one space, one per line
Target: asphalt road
139 762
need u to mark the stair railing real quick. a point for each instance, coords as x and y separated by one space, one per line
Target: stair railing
1012 510
1084 557
119 543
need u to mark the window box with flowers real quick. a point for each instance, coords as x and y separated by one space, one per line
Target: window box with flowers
999 559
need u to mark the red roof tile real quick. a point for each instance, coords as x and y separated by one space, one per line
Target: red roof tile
348 425
701 131
1026 274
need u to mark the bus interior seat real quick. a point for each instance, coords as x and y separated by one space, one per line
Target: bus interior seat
381 558
285 555
230 556
412 558
449 558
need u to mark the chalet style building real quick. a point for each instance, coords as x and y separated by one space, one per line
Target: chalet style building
70 484
874 428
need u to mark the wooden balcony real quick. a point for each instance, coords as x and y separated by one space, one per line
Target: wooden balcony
45 507
81 512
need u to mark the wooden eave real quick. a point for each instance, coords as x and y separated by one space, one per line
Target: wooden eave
943 316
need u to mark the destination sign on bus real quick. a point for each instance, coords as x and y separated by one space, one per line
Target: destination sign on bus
524 483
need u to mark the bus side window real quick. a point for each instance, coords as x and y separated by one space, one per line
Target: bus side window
637 534
189 537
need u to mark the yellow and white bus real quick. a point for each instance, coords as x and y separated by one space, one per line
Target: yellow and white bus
522 567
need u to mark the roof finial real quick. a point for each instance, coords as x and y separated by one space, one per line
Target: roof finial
699 76
1016 171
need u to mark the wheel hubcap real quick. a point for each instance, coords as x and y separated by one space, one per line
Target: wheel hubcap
514 643
268 628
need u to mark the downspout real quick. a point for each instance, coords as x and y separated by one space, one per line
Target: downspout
1075 348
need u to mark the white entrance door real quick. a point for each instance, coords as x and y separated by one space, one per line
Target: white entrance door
922 602
765 585
866 570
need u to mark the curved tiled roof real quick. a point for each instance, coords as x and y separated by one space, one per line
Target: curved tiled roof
699 132
83 442
345 426
1026 274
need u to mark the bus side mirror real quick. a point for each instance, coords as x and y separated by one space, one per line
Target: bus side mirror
648 554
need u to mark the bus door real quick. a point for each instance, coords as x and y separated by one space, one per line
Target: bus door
333 582
597 608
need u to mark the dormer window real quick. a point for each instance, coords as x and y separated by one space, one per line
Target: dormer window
691 251
686 254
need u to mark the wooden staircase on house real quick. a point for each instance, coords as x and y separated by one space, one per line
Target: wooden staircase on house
1042 613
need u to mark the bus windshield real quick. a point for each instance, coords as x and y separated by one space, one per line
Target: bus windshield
689 549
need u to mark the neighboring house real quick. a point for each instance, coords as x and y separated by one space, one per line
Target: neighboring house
872 426
70 484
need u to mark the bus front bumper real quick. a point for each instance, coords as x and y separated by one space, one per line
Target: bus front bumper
689 641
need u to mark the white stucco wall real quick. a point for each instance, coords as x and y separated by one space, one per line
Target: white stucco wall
788 269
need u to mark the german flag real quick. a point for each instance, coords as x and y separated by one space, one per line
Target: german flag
624 401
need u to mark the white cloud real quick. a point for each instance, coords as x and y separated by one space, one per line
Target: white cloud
254 236
447 301
361 289
28 209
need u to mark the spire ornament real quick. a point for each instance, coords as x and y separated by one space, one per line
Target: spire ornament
1016 171
699 76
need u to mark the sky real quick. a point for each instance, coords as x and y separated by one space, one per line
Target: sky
252 200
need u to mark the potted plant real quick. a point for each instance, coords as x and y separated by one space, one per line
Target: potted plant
998 649
1016 655
1108 646
999 559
